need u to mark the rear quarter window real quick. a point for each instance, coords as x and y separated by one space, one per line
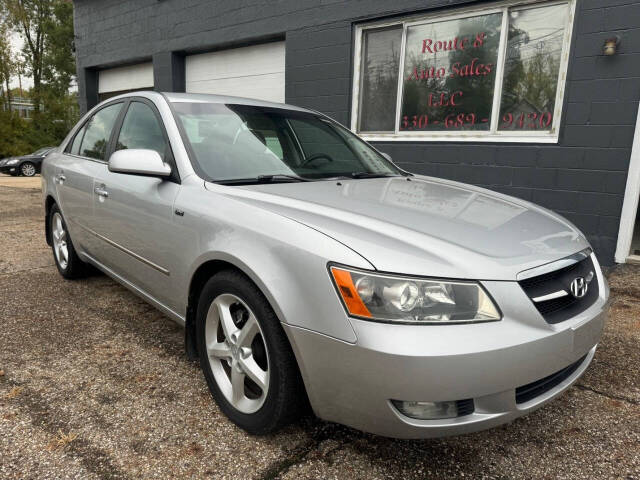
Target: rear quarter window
74 148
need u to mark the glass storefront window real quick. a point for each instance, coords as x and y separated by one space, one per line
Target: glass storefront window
492 74
380 68
449 74
532 66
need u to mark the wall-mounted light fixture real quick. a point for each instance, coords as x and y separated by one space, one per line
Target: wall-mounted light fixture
611 45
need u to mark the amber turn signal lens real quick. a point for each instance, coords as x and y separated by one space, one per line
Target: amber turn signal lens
349 293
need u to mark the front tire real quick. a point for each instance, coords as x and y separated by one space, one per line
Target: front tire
245 356
28 169
64 254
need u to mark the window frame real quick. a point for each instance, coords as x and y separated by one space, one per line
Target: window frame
494 134
82 128
115 133
117 128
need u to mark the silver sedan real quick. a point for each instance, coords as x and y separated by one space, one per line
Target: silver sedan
308 269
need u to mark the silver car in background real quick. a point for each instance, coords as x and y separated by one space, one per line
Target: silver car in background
308 269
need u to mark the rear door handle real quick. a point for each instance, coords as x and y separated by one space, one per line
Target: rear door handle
101 191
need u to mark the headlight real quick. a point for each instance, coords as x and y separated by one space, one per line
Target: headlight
392 298
13 162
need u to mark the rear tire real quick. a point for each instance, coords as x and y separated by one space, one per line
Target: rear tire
64 254
28 169
240 339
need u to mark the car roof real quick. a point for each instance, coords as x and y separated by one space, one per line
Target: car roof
209 98
174 97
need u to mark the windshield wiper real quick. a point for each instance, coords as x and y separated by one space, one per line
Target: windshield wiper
279 177
372 175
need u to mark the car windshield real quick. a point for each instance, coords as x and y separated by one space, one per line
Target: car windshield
245 143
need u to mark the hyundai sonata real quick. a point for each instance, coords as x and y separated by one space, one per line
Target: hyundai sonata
307 268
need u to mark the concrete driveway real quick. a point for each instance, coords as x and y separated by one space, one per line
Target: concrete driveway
94 384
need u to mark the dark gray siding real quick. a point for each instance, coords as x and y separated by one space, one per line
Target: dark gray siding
582 177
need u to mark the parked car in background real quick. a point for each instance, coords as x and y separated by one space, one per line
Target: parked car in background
26 165
306 265
3 162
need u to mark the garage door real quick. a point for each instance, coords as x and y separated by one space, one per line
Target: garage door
114 81
255 72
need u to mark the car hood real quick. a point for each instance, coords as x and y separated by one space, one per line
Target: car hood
423 225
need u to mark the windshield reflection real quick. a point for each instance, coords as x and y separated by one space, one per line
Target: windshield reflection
232 142
451 202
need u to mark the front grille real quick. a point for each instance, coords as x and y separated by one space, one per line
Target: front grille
562 308
465 407
534 389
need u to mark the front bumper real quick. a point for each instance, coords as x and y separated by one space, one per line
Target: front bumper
9 169
353 384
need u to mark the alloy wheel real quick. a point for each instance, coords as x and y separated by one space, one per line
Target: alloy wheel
60 241
28 169
237 353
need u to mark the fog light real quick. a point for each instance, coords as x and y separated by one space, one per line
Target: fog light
427 410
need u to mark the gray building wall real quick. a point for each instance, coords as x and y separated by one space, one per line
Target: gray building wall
583 176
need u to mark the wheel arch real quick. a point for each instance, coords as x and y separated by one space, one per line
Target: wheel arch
205 270
199 278
48 204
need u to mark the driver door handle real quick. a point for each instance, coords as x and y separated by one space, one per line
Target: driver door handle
59 178
101 191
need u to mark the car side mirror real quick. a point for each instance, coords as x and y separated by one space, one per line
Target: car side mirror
387 156
136 161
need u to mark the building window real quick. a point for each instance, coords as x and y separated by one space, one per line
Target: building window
495 74
381 61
